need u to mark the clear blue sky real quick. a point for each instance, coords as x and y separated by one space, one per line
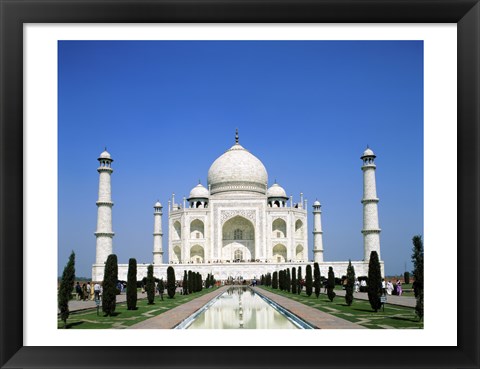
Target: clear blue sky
307 109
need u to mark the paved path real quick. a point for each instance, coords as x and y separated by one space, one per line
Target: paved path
315 317
407 301
173 317
75 305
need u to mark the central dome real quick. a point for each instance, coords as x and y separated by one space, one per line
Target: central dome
237 170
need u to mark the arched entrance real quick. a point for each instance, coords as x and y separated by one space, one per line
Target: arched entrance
238 238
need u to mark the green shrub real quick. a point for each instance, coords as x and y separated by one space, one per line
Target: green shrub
316 279
110 278
66 286
132 285
350 284
150 285
374 282
331 284
308 281
171 282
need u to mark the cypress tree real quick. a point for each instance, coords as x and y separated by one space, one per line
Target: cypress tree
185 283
288 280
269 280
280 280
331 284
417 258
199 277
308 281
191 284
350 283
406 277
132 284
294 281
212 280
207 281
171 282
275 280
299 278
316 279
66 287
150 285
374 282
110 279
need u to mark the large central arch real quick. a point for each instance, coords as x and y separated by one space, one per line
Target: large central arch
238 238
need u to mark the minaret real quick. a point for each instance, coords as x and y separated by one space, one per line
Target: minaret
371 229
157 234
104 231
317 233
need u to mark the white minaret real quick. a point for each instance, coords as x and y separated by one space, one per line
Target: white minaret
317 233
157 234
104 231
371 229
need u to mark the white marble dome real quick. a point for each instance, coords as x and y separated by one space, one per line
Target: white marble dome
316 203
276 191
105 155
157 204
237 170
368 152
198 192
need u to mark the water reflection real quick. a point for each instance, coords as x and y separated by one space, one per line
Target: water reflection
241 307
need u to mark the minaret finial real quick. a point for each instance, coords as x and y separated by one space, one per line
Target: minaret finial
236 135
199 181
105 148
368 146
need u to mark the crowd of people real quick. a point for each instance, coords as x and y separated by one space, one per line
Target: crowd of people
88 291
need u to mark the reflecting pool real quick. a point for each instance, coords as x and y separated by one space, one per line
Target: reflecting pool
241 307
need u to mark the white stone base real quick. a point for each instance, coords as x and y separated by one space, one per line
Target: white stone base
225 270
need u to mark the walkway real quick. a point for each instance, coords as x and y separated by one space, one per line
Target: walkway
407 301
175 316
75 305
315 317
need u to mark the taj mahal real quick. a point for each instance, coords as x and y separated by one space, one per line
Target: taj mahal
237 226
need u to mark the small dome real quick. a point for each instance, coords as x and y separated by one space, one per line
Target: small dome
158 205
368 152
276 191
199 192
105 155
316 203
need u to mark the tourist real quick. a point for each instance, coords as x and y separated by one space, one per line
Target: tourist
92 292
96 290
363 285
161 288
78 290
389 287
357 285
88 291
384 287
84 292
399 288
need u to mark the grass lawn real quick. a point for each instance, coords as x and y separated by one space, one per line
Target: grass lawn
124 318
360 312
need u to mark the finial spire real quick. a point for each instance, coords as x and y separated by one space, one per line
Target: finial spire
236 135
105 148
199 181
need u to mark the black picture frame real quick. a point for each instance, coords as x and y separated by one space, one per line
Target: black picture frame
14 13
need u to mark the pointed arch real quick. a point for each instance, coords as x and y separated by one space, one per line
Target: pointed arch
279 228
279 253
197 229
